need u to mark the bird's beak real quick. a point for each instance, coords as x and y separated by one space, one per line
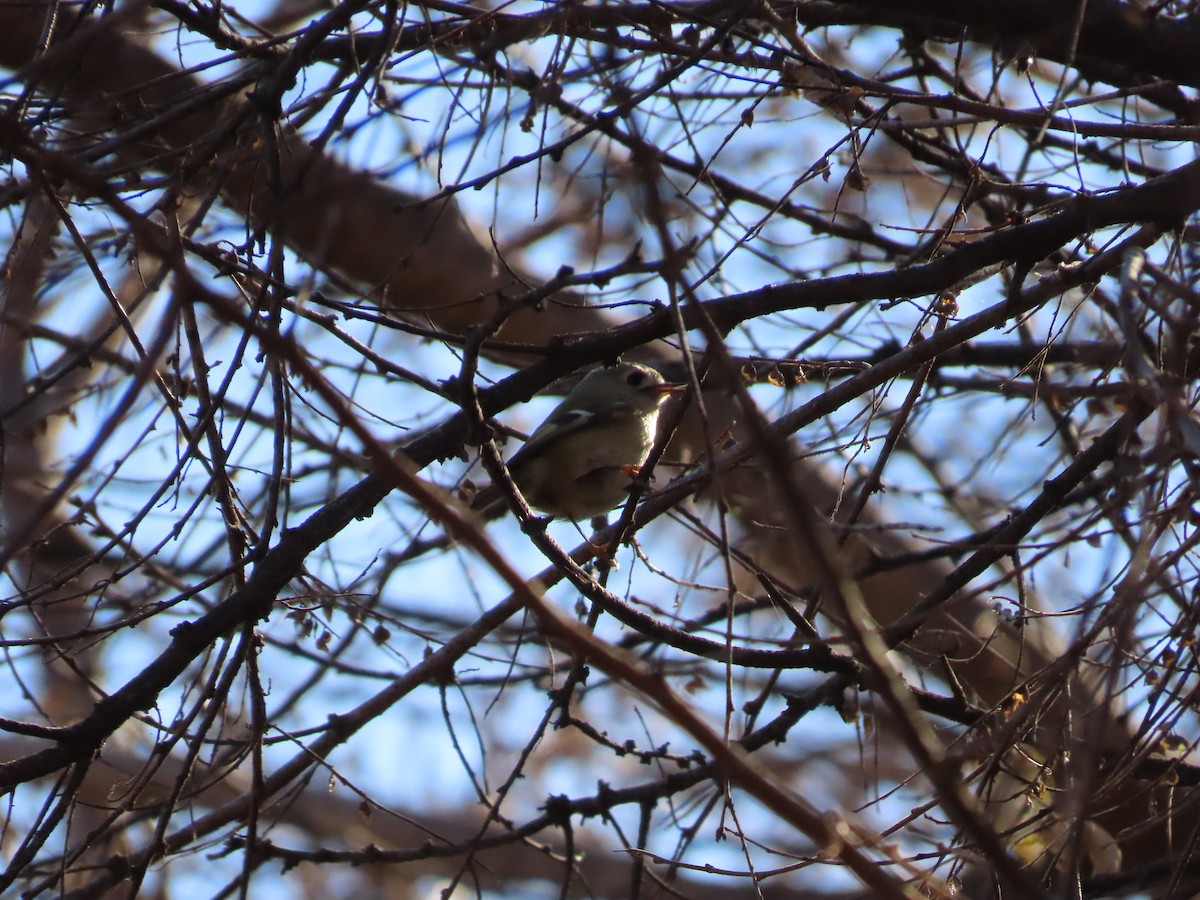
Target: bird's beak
667 388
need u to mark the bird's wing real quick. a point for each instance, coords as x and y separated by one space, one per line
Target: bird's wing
561 424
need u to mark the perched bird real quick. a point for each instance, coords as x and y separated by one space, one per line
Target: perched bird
581 460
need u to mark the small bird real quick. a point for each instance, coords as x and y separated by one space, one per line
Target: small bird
581 460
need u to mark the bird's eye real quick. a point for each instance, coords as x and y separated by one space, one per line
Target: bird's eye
636 378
